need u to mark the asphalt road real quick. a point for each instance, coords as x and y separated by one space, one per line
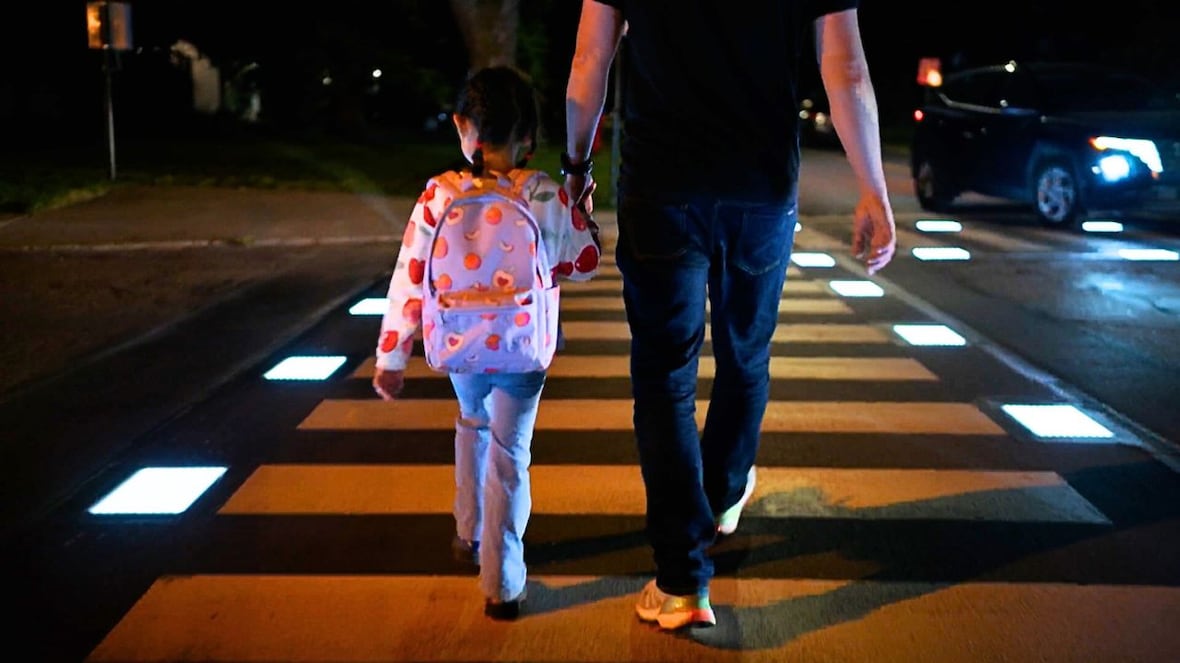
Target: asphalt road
899 515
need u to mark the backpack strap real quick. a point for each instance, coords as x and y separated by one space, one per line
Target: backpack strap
519 179
454 183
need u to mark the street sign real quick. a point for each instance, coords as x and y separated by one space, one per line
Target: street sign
108 25
108 28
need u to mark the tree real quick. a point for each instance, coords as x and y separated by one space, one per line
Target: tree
489 28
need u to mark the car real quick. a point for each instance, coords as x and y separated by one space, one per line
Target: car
1071 140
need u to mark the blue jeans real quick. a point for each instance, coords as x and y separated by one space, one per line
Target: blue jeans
672 256
493 439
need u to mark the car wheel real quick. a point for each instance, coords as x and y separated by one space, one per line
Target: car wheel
1057 199
931 189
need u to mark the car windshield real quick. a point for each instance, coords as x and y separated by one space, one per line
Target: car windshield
1099 90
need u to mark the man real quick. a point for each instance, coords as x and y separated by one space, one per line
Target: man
707 204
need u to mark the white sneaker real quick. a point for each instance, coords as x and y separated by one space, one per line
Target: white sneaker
727 522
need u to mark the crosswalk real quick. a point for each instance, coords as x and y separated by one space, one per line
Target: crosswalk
895 519
1021 241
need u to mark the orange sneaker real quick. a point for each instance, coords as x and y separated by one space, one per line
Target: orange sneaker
670 611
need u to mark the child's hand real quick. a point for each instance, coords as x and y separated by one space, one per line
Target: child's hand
388 384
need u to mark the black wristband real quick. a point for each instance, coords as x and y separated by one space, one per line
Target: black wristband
570 168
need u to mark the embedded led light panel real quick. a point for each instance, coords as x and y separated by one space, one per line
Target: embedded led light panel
1056 421
805 259
1148 254
856 288
929 335
938 226
369 306
158 491
1102 226
940 253
305 368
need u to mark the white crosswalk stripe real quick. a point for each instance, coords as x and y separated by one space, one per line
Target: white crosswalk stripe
978 238
974 237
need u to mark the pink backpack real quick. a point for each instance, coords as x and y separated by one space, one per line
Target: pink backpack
490 303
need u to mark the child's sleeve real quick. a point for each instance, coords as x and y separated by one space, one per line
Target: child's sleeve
403 313
574 250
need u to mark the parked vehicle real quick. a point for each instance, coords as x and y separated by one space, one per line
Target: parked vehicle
1071 140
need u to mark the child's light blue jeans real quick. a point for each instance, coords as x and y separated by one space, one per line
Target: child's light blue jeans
493 438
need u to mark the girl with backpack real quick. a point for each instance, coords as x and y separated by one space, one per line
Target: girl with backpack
497 120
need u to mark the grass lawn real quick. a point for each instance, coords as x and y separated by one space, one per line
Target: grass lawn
43 178
235 156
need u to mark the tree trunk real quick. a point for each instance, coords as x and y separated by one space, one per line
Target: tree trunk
489 29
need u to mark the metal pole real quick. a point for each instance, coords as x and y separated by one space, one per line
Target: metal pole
110 108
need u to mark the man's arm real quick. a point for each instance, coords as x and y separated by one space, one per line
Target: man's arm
599 30
853 102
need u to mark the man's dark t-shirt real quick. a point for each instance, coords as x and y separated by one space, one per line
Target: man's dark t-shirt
710 104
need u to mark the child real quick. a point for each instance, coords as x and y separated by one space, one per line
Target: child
497 121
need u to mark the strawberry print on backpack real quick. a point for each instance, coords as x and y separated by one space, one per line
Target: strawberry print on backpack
490 303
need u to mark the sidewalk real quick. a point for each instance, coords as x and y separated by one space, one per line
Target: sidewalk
136 216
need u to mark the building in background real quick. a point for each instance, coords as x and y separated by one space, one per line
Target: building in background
206 78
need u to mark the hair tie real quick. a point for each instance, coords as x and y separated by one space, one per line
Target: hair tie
477 161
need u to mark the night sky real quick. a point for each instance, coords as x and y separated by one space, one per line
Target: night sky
45 41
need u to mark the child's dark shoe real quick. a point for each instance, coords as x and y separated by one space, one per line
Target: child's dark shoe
504 610
465 551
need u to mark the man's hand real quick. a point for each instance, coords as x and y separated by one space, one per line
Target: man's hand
581 189
388 384
874 233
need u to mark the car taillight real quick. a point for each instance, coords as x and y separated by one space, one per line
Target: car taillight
918 115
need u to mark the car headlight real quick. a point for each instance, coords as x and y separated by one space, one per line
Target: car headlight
1145 150
1114 167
